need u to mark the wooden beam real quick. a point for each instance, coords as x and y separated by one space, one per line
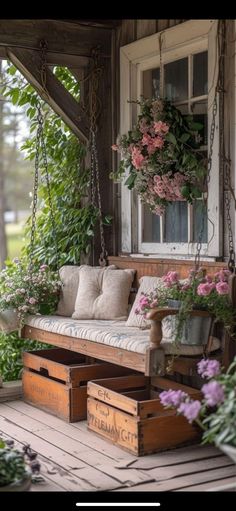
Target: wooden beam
57 59
28 62
61 37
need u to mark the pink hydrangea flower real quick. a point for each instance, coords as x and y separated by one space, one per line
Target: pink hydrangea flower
161 127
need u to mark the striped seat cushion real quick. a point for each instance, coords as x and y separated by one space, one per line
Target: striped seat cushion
110 333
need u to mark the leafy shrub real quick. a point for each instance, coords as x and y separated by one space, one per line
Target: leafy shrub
11 348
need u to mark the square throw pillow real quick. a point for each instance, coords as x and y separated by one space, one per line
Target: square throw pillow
69 276
103 294
147 285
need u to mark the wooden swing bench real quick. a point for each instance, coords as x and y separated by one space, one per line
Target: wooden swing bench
153 361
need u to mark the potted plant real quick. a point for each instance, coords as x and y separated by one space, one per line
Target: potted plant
26 291
200 292
216 413
160 156
17 467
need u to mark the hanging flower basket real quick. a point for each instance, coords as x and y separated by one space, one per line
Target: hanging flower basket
161 154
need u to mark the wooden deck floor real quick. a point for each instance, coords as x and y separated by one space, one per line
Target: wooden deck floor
74 459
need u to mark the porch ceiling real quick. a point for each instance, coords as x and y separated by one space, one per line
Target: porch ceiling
74 38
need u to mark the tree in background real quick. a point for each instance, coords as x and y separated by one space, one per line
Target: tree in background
75 217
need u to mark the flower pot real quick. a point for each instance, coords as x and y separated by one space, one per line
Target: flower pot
21 485
195 330
230 450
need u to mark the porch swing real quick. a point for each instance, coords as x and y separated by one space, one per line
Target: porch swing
113 344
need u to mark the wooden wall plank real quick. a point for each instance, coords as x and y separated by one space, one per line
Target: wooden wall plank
128 31
145 28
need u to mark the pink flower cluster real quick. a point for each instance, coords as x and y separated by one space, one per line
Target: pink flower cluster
169 186
218 283
153 140
146 302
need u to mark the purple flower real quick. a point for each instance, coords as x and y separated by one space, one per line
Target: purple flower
172 397
213 393
190 410
208 368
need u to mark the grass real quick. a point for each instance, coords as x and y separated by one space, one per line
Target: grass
15 239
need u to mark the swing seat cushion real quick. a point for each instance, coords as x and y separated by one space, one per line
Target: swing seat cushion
110 333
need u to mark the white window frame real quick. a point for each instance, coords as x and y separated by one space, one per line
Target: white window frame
178 42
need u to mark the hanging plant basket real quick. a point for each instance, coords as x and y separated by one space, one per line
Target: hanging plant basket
161 155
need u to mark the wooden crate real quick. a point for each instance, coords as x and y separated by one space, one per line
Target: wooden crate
127 411
55 380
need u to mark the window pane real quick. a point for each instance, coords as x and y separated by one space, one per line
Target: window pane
151 83
151 226
200 74
199 110
176 80
199 221
176 222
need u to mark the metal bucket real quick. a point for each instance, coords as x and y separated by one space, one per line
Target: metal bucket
195 330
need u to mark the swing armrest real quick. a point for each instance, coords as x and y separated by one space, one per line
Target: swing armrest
156 316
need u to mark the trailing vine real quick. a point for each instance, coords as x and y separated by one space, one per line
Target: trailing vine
75 217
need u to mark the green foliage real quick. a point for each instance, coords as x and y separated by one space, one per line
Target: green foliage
220 425
11 348
12 466
161 156
28 291
75 217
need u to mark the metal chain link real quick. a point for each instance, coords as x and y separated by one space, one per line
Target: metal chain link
161 73
41 145
209 165
225 162
43 66
35 192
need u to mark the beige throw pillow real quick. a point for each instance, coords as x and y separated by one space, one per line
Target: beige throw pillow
69 276
147 285
103 294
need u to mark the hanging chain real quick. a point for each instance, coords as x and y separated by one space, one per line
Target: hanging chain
209 164
35 192
225 163
94 112
41 145
160 49
43 66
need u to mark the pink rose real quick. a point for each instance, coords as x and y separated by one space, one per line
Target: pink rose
204 289
222 288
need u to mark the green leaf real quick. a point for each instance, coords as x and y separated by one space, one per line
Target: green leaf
196 126
171 138
184 137
131 180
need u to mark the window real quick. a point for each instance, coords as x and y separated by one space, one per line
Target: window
184 75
